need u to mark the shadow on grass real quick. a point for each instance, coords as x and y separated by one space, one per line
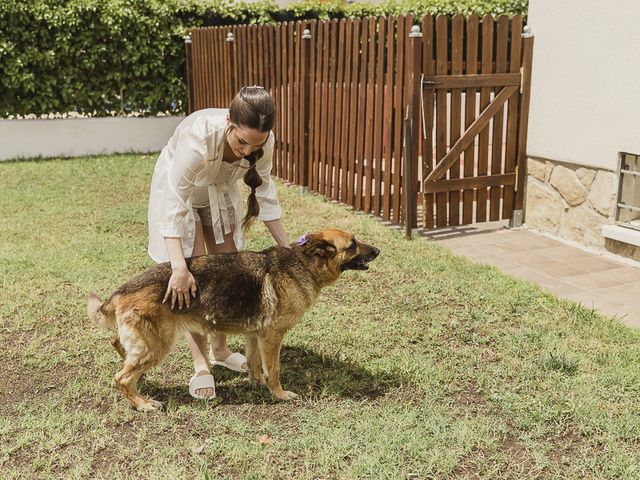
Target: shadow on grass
305 372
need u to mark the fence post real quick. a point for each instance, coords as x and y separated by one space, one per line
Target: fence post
517 217
412 121
188 72
231 50
306 108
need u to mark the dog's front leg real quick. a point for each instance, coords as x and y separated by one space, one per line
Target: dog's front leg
269 343
254 362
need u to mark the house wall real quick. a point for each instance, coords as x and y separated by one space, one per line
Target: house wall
585 110
73 137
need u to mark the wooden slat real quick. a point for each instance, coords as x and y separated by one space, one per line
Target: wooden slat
476 127
485 94
223 79
495 193
278 98
379 114
206 67
362 112
259 32
523 120
312 101
196 75
428 68
255 60
402 40
227 48
338 139
456 184
319 47
470 115
215 65
388 119
353 96
303 65
296 98
512 116
217 45
469 81
331 105
290 100
285 101
441 113
325 92
368 136
346 104
457 43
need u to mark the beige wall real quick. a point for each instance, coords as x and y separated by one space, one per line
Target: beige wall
72 137
585 98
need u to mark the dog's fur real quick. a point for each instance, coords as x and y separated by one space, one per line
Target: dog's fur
259 294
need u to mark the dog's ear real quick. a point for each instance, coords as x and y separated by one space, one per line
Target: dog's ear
320 247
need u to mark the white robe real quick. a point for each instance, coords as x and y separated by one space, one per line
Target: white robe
189 163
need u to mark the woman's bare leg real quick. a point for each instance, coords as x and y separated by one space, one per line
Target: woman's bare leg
198 343
219 349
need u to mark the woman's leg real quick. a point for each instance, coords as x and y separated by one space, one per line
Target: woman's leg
198 343
219 349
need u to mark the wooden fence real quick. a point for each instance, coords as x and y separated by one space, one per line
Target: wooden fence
350 92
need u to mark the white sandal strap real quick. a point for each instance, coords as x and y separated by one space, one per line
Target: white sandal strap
199 382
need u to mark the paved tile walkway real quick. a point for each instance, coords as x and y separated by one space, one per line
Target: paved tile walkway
608 284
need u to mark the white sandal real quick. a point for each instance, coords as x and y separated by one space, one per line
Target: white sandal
199 382
236 362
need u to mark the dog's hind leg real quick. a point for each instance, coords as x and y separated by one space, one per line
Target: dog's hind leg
254 362
269 344
115 342
143 349
127 383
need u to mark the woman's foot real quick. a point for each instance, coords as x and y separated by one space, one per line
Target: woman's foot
236 362
202 385
220 353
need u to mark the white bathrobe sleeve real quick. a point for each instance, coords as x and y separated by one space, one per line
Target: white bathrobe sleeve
188 159
266 193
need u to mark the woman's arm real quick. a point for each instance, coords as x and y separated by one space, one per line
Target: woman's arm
181 284
278 232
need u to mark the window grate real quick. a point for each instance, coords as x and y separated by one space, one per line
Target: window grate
628 201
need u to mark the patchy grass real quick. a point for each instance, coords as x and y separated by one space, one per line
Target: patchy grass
426 366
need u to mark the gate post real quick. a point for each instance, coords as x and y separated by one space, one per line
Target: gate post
188 72
412 122
517 217
231 50
306 108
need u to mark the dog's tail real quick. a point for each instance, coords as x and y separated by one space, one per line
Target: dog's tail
102 314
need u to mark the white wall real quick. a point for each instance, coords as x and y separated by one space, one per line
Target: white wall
585 95
84 136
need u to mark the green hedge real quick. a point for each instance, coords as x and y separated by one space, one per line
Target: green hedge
117 57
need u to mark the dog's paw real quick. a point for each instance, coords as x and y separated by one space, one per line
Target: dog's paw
258 379
286 395
149 406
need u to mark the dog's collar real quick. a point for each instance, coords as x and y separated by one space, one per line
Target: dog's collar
303 240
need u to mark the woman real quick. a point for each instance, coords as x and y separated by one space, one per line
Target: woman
195 204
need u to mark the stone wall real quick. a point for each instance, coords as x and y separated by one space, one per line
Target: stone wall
570 201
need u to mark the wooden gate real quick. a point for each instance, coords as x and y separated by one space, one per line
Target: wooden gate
475 99
385 114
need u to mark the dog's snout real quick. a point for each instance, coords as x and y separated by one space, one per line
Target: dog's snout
375 252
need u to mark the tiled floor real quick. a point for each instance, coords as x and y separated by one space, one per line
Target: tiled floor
607 284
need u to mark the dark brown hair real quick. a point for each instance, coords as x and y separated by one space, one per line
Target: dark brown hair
252 108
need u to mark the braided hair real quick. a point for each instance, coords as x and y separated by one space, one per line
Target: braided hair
252 108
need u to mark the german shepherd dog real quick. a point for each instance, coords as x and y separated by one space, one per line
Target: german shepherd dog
258 294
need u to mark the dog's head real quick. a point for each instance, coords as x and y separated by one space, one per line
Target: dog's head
334 251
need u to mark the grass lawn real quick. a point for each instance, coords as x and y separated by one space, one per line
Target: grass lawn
426 366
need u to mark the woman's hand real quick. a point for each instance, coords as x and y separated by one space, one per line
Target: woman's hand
181 287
